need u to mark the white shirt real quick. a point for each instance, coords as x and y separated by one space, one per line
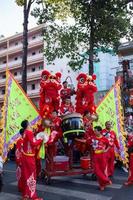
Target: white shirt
1 164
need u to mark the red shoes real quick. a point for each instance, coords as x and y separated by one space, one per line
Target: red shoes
25 198
103 187
128 183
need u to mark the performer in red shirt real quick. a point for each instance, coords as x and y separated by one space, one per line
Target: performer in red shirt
66 107
111 136
66 92
18 154
29 163
88 124
56 122
130 146
99 146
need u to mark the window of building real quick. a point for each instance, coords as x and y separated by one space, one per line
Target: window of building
16 43
15 73
33 86
3 91
41 50
33 53
34 37
33 69
3 76
40 67
15 58
4 62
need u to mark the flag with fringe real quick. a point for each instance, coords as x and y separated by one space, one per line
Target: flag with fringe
17 107
110 109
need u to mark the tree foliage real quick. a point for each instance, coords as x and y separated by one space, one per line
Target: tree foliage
97 23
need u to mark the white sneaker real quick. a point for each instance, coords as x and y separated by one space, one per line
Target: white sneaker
125 169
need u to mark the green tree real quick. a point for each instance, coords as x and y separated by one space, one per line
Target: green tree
97 24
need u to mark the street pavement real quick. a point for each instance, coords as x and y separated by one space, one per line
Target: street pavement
69 188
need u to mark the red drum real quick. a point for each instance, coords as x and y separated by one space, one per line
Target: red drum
85 162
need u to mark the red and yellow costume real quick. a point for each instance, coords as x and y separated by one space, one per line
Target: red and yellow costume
99 145
29 164
113 142
18 154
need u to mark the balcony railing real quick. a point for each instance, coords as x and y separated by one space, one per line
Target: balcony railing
30 59
30 75
31 93
19 47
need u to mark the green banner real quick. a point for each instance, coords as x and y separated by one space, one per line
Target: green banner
110 109
17 107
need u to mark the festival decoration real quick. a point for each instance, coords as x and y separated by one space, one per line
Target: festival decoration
110 109
17 107
86 88
49 93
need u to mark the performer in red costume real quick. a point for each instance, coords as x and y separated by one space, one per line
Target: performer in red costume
44 77
111 137
18 154
52 88
29 163
66 107
85 93
49 93
58 77
56 121
130 176
82 83
88 99
66 92
99 145
88 124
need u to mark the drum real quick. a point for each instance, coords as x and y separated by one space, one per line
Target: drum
73 126
85 162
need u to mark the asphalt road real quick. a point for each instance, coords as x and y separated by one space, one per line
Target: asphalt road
69 188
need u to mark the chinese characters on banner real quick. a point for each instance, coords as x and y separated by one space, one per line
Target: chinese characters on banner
110 109
17 107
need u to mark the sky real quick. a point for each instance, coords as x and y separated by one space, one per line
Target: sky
11 18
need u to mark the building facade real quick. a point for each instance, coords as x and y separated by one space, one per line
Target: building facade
126 72
11 50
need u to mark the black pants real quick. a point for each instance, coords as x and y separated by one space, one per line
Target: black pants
1 182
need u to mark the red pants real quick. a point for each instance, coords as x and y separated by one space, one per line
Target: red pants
19 178
130 177
110 161
38 166
100 168
29 177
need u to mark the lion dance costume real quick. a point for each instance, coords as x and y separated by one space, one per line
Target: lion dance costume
85 93
49 92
